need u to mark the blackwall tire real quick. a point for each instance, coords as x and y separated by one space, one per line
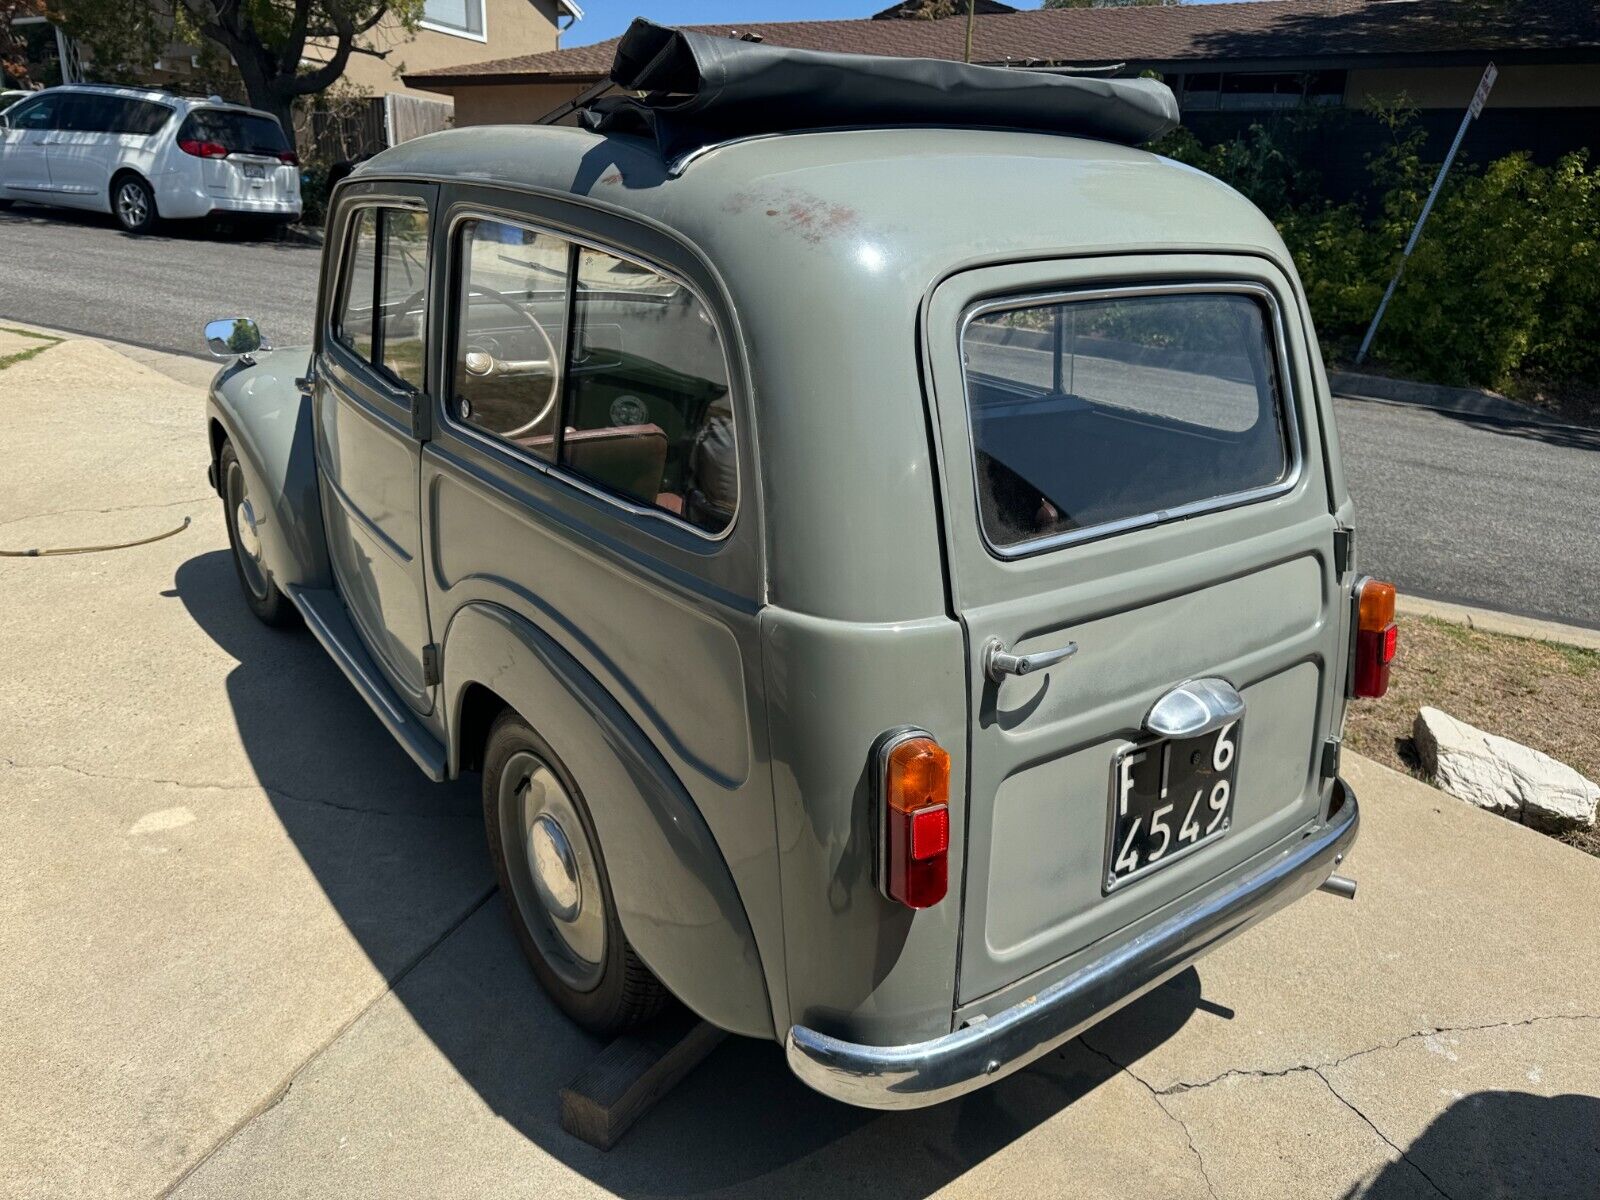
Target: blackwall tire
263 596
554 881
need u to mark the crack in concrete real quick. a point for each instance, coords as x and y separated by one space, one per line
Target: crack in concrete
1188 1134
271 789
1383 1137
1333 1064
67 512
279 1094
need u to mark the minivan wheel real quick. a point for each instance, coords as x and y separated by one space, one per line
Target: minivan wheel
260 593
134 204
555 884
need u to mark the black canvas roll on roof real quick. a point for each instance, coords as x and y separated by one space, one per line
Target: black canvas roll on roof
699 90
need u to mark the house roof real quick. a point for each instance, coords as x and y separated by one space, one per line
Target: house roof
1264 31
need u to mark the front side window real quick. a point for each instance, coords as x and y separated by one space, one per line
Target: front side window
382 304
604 366
460 16
1105 411
35 114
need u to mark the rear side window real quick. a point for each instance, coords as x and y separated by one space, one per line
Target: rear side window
85 112
239 132
1109 411
605 366
382 304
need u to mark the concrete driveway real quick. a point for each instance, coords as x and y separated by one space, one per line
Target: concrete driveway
248 951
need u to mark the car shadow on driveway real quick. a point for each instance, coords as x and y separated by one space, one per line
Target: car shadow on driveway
741 1121
1501 1144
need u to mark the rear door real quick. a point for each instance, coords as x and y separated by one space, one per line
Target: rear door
1131 462
372 382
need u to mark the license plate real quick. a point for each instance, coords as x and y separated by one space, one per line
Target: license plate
254 171
1168 798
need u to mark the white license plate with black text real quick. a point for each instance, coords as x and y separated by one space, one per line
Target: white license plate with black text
254 171
1167 798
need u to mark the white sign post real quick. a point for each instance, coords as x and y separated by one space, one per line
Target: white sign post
1479 98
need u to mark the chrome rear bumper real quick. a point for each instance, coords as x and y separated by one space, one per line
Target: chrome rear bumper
942 1068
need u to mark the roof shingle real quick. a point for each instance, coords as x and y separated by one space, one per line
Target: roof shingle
1254 30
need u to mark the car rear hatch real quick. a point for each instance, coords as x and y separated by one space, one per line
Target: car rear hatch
245 157
1132 462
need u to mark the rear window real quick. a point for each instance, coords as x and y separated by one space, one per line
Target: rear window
240 132
1102 412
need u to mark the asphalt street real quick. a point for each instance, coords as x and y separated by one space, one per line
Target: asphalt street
79 272
1450 508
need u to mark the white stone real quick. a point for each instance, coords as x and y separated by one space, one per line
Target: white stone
1503 776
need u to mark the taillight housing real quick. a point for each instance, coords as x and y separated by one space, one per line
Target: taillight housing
199 149
290 157
913 803
1377 638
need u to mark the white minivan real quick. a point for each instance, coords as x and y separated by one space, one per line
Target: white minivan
145 155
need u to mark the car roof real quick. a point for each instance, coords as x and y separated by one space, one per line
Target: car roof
927 199
160 95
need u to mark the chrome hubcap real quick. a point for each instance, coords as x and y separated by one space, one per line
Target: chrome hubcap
555 876
246 535
131 204
249 536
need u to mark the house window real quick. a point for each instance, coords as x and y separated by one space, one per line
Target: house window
455 16
1254 91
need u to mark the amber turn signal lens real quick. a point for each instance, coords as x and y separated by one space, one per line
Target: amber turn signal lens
914 822
918 775
1377 606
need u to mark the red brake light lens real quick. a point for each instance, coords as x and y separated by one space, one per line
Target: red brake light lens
199 149
914 830
1377 639
290 157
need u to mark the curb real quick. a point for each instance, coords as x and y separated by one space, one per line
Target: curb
189 369
1472 402
1498 622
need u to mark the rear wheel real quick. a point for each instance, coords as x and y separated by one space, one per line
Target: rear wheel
133 204
555 884
260 593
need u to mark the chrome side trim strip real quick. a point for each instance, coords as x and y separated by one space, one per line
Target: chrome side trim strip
942 1068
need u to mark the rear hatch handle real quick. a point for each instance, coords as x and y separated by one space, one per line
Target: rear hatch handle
998 662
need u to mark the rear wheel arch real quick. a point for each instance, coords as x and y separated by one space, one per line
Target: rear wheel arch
675 894
118 178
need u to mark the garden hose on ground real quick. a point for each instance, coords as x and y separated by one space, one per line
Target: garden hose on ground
46 552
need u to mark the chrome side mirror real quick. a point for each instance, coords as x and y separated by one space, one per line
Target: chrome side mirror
235 337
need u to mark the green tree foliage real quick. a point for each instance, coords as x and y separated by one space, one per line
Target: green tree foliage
279 50
1502 291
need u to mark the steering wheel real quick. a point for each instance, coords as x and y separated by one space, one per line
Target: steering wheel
482 365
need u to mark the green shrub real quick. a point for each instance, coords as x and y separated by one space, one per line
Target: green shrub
1503 287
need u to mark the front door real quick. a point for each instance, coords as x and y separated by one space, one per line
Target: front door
31 126
1132 465
372 381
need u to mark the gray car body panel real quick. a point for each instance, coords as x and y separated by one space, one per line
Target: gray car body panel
761 667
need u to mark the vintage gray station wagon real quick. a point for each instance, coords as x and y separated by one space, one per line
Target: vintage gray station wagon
880 537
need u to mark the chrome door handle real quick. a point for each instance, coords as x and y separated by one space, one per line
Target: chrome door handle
998 662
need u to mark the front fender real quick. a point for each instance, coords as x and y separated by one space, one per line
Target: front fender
676 898
269 420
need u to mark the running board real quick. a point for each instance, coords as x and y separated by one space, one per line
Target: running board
326 618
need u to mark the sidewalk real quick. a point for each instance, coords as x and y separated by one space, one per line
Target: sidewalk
251 952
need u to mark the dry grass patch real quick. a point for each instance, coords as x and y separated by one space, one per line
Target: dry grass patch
1541 694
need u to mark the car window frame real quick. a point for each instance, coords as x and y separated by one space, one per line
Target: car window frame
1288 406
459 215
398 391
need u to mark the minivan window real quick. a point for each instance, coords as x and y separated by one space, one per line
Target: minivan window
34 114
632 396
239 132
382 307
1121 409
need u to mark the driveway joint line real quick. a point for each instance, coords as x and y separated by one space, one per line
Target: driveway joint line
279 1093
269 789
67 512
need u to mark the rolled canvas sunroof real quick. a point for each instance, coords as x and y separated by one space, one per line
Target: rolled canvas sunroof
696 90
